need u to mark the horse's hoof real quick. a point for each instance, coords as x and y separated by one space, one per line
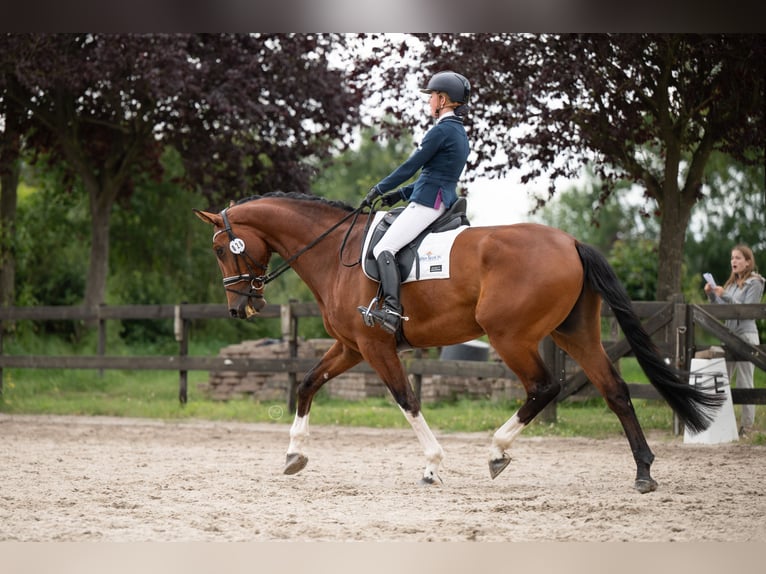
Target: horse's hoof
429 480
295 463
644 485
498 465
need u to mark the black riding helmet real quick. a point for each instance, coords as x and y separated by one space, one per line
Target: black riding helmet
456 86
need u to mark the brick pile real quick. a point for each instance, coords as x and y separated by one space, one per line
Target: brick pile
226 385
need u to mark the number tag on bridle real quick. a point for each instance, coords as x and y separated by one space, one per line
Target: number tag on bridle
237 246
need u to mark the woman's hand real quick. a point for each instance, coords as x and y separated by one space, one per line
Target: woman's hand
717 290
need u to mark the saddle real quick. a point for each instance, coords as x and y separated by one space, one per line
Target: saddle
451 219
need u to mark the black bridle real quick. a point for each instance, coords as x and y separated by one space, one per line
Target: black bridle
257 282
237 247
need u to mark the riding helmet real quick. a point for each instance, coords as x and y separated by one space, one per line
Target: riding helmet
455 85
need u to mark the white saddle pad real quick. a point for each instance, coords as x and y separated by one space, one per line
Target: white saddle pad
432 261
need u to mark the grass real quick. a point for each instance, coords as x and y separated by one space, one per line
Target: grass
149 394
154 394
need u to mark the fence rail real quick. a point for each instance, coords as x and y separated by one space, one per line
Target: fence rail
671 324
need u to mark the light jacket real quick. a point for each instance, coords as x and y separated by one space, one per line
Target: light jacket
750 292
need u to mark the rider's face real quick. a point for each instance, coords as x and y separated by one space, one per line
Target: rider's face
436 102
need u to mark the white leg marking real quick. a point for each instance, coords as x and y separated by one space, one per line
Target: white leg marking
431 447
504 436
299 434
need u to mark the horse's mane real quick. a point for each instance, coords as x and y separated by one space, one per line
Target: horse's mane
301 197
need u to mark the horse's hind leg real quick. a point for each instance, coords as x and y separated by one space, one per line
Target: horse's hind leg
338 359
541 389
580 337
615 391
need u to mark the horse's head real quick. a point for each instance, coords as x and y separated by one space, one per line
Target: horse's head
243 257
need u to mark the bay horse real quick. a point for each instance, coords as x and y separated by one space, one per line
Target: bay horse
515 283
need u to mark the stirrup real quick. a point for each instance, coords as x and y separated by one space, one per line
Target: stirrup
370 316
365 311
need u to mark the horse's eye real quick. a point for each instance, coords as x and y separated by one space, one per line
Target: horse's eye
219 251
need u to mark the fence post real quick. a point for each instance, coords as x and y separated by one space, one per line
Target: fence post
549 353
681 344
290 334
181 332
417 378
101 351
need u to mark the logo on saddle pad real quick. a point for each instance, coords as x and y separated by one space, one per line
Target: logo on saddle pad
427 257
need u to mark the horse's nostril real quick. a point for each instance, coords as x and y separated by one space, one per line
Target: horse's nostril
233 313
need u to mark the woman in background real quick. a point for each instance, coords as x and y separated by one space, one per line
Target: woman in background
744 285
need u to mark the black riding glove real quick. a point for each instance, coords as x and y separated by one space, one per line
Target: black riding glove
372 195
391 198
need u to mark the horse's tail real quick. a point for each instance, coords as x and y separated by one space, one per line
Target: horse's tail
695 407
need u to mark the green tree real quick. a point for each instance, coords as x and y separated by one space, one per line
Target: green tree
13 124
245 111
584 212
52 242
355 171
734 212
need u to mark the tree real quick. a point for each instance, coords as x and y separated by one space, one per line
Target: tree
733 213
646 108
356 170
13 123
582 212
248 113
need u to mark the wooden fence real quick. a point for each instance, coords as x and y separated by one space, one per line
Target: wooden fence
672 325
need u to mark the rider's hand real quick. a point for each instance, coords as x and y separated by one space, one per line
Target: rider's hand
391 198
372 195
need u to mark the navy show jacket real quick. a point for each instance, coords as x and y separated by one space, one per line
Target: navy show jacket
441 155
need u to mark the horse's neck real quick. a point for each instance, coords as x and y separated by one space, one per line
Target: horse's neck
291 233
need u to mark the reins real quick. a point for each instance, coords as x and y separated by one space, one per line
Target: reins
258 282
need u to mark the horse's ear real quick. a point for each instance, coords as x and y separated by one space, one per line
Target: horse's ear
205 216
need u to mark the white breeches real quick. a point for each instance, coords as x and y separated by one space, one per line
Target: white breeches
410 223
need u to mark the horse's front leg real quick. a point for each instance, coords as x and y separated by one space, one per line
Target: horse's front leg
387 364
338 359
431 448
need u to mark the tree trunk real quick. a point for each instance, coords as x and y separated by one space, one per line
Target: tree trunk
102 199
675 219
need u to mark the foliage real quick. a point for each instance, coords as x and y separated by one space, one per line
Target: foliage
594 219
245 111
155 395
51 245
646 108
734 212
351 175
635 263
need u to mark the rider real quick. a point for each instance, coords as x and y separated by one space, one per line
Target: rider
442 156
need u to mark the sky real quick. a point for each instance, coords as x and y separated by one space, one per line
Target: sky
497 202
507 200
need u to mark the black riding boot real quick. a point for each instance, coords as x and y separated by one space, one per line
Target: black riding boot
390 316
